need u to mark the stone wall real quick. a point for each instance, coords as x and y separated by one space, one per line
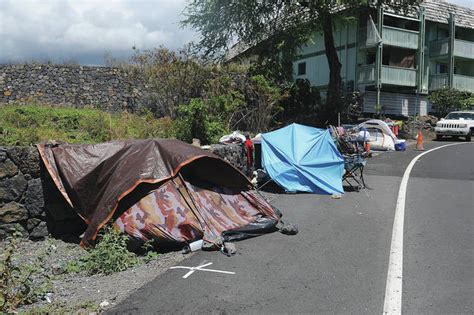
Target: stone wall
233 153
72 85
21 193
32 205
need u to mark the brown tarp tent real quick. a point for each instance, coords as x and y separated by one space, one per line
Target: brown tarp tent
159 189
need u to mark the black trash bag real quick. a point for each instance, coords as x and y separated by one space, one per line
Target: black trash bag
258 227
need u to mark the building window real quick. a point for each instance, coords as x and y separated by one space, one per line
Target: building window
302 68
441 68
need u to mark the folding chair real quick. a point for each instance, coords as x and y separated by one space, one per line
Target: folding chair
354 159
354 171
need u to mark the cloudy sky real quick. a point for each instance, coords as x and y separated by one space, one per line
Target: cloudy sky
85 31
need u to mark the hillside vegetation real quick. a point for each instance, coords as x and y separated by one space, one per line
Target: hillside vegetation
30 124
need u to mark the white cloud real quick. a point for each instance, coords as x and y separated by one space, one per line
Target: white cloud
85 30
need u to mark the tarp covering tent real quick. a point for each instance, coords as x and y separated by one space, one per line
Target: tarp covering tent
159 189
302 158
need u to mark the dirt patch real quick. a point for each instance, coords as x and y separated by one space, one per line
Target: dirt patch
72 288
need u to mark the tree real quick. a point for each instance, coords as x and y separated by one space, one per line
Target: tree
446 100
301 103
283 26
174 77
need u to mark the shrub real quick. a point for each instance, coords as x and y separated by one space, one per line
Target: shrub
262 105
174 77
194 122
149 252
108 256
242 102
446 100
230 97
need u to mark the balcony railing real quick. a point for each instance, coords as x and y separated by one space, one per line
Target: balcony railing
460 82
390 75
366 74
392 36
439 47
438 81
399 37
398 76
463 83
464 48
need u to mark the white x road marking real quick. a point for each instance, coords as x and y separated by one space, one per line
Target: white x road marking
201 268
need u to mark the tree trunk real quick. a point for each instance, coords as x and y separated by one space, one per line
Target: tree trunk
333 98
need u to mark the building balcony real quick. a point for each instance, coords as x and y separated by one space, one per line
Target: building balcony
399 37
462 48
463 83
366 74
460 82
439 47
438 81
391 36
390 75
398 76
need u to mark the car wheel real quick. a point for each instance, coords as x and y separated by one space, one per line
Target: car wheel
439 137
468 136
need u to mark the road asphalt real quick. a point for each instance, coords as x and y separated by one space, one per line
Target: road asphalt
338 262
439 234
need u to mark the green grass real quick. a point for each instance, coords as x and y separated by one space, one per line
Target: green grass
31 124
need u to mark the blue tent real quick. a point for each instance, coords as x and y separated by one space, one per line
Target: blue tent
302 158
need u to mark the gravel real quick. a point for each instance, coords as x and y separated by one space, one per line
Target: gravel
78 288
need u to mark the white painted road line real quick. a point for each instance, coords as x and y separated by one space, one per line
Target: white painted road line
393 289
201 268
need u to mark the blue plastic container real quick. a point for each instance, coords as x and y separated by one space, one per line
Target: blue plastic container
400 145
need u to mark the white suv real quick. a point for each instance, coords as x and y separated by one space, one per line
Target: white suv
459 123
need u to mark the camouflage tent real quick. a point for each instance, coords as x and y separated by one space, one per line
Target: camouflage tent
156 189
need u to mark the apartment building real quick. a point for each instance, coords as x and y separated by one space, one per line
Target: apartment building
395 59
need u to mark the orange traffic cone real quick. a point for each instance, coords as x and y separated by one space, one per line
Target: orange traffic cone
419 142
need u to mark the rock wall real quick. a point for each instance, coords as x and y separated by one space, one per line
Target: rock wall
32 205
233 153
21 193
71 85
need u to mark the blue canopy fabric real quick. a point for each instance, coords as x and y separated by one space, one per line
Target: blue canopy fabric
302 158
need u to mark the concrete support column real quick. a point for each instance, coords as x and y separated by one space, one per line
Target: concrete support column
378 57
452 36
421 60
421 54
